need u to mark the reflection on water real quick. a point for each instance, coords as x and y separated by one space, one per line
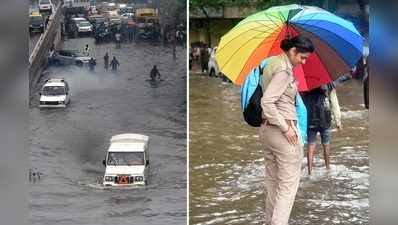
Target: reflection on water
227 165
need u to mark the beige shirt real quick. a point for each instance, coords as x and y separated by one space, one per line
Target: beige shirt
280 89
335 107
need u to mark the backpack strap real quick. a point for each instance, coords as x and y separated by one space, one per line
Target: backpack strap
260 69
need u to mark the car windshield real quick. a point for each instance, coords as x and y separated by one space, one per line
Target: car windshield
99 19
71 53
53 90
45 2
84 23
36 19
125 158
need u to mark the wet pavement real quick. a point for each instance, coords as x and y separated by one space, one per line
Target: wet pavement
67 146
227 165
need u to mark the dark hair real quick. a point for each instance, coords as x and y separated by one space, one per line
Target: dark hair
301 43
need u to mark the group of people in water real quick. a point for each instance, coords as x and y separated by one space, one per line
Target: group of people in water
154 74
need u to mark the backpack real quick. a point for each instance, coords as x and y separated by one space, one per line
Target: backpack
251 94
318 107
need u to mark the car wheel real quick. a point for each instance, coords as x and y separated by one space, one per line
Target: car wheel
212 73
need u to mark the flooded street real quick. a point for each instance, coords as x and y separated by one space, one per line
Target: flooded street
227 164
67 146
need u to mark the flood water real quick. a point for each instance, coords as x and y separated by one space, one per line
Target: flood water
227 164
67 146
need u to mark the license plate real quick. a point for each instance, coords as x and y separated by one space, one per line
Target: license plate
123 180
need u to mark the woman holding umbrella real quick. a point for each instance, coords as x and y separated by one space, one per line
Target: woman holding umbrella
278 132
265 35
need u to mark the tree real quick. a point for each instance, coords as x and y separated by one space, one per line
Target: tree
171 13
204 5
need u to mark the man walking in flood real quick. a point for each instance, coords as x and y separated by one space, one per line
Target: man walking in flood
114 64
106 61
204 59
155 73
118 39
91 64
321 103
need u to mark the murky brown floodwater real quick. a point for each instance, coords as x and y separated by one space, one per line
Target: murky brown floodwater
227 166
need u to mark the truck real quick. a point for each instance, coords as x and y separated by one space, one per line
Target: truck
147 20
127 161
76 6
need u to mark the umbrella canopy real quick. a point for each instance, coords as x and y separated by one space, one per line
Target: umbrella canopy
338 44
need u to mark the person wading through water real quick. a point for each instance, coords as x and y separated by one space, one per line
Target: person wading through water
321 103
114 64
154 75
278 132
106 61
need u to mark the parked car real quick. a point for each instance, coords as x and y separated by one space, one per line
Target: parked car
45 5
127 161
36 23
54 94
70 57
81 26
127 15
84 27
102 33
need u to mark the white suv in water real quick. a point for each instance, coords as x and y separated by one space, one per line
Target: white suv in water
54 94
46 5
127 161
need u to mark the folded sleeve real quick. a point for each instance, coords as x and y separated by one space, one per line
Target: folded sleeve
272 93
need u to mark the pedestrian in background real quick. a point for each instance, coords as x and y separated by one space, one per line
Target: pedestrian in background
154 73
204 59
321 103
278 133
106 61
92 64
46 22
114 64
117 38
86 50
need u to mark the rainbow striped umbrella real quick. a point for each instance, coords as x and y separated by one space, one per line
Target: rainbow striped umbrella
338 44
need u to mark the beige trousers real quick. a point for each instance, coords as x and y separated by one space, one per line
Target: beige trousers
282 174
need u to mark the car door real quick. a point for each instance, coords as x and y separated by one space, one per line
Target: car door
67 100
60 57
147 171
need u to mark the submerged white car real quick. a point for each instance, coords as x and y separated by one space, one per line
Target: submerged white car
54 94
127 161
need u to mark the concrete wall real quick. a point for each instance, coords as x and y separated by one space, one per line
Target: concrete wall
218 27
38 57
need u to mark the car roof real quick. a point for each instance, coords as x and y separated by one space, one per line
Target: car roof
55 82
69 51
78 18
35 13
127 147
130 137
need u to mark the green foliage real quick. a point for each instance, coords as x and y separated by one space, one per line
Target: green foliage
260 4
